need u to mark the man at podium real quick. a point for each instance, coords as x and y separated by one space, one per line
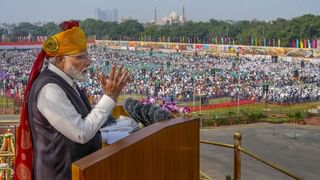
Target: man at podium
64 127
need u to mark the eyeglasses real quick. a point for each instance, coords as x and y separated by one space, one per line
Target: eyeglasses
81 57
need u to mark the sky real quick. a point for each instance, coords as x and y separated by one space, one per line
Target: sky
15 11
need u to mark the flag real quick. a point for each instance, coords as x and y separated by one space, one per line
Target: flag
301 44
305 43
297 43
293 43
273 42
309 43
313 43
318 43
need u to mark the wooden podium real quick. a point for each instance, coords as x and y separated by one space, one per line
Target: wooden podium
167 150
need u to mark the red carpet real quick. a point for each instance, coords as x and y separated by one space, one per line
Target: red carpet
221 105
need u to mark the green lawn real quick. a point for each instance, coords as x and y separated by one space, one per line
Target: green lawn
256 112
211 101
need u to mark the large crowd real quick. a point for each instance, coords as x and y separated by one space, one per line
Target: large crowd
183 76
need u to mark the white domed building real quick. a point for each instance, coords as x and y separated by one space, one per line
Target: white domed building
173 18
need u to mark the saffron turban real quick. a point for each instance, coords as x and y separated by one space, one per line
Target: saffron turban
69 42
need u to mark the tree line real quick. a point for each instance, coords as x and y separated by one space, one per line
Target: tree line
243 32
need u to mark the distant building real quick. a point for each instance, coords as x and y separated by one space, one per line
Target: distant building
115 16
99 14
173 17
125 18
155 16
107 15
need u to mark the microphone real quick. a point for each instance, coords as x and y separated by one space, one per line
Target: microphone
137 113
152 109
162 115
146 114
128 106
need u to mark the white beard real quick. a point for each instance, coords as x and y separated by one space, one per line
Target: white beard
77 75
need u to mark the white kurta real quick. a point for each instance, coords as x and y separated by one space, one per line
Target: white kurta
55 106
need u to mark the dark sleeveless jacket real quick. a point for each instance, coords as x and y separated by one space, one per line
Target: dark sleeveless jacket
53 153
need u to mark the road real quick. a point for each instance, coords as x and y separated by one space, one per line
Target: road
293 147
